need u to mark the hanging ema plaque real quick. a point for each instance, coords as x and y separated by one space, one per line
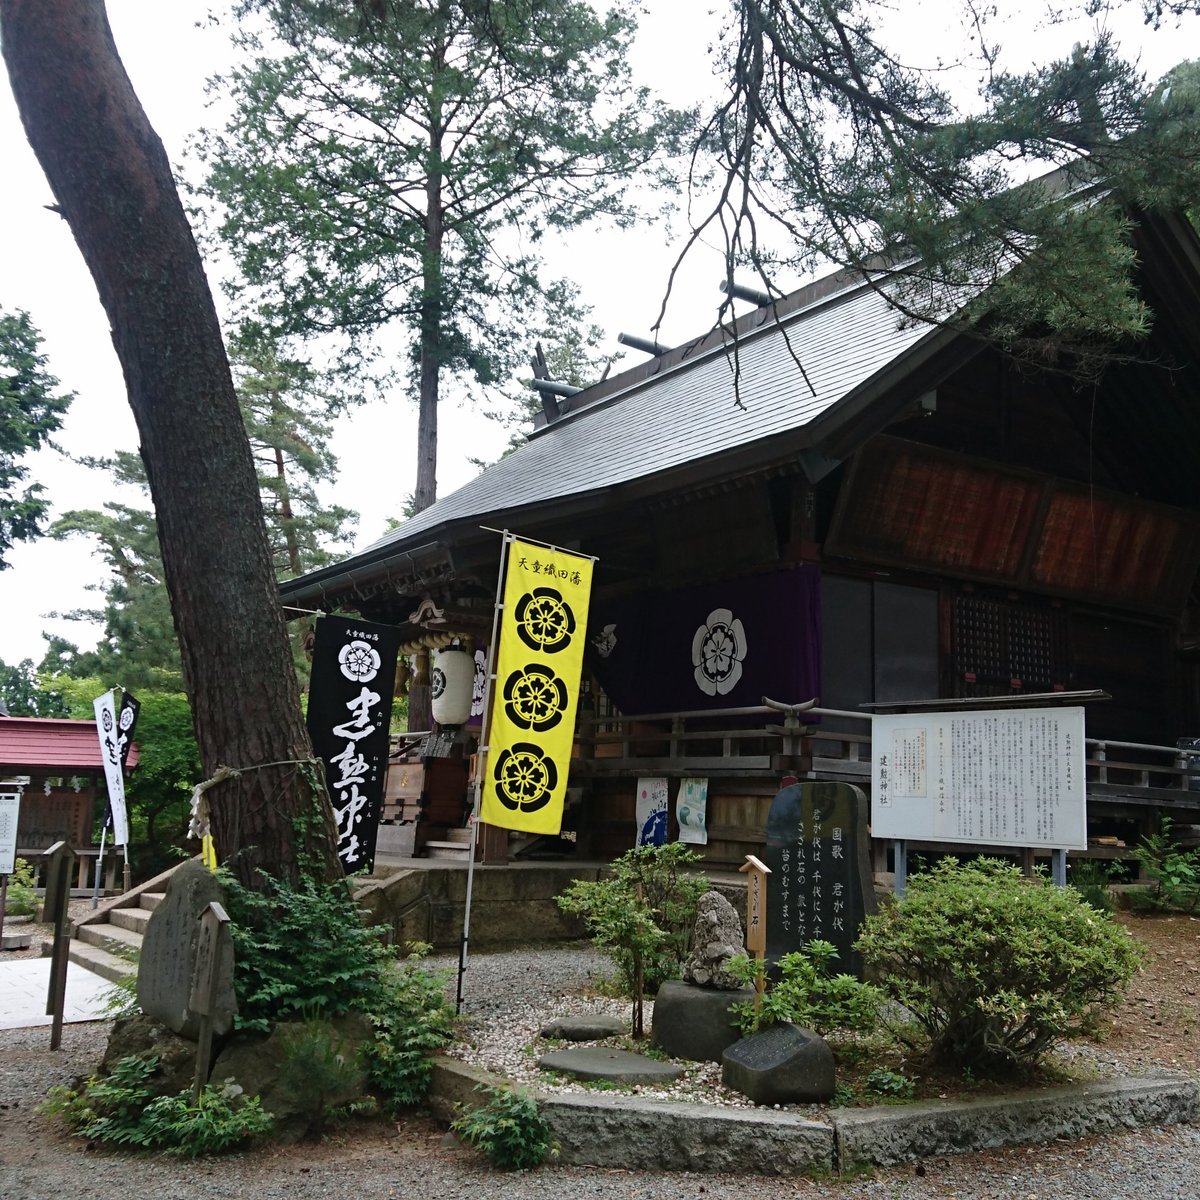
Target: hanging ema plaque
349 710
821 886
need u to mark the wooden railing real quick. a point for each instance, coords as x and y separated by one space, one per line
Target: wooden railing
829 743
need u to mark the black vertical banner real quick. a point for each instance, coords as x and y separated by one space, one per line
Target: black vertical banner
349 710
127 724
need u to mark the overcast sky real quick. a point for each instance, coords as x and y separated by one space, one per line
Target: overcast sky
169 51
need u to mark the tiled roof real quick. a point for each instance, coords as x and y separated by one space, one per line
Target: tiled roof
690 411
50 745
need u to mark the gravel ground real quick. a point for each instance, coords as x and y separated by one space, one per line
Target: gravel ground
415 1158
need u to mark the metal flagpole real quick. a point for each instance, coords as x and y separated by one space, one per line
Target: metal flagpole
100 860
481 762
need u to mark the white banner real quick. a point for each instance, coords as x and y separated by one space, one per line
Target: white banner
110 753
651 811
691 806
10 810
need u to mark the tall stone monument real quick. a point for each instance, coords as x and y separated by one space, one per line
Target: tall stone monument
820 884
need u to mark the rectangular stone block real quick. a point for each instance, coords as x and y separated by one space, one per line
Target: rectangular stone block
656 1135
886 1136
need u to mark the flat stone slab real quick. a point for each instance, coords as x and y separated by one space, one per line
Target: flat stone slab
616 1066
590 1028
16 941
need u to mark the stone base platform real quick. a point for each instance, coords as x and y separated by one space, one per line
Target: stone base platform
652 1135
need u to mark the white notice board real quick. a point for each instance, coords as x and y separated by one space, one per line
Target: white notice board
10 810
1010 777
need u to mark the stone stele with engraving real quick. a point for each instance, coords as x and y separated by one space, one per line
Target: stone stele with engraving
167 964
821 885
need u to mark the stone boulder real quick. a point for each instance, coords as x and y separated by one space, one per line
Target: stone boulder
693 1022
782 1064
300 1070
168 955
142 1035
717 938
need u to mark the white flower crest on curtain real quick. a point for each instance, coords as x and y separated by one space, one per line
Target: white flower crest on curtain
718 649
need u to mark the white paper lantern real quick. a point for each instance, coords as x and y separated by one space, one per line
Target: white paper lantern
450 686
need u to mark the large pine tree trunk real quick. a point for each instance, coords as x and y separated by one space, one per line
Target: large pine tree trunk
111 178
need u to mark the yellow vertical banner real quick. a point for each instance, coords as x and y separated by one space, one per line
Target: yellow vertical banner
536 691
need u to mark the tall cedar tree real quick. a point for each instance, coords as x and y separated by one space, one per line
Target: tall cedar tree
112 183
864 162
287 419
29 413
138 648
395 163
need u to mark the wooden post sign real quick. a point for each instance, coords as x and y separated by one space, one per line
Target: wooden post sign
214 928
60 870
756 872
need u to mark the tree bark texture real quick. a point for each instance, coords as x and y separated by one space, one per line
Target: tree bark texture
112 181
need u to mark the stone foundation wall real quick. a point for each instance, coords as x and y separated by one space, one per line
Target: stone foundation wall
511 905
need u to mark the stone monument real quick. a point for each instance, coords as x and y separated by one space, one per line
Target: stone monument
169 951
717 938
693 1017
821 886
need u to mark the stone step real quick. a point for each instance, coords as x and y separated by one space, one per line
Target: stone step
461 837
449 850
150 900
135 919
111 938
109 966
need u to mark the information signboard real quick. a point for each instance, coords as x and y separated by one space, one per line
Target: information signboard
1010 777
10 810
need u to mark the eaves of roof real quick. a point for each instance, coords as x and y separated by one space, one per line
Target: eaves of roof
779 384
51 745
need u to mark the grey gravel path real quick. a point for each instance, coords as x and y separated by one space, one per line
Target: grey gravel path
417 1159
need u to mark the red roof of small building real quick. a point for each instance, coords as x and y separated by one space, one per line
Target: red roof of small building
50 746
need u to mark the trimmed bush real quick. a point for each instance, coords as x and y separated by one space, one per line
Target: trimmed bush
994 967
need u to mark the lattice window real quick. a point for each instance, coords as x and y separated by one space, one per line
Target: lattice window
1003 646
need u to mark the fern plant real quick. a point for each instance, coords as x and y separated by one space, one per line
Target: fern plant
509 1129
301 952
122 1110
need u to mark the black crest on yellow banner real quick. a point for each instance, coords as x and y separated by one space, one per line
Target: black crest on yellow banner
540 656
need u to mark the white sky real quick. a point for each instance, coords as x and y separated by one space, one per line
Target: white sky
169 51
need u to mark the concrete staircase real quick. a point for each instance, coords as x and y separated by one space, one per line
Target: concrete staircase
110 947
454 847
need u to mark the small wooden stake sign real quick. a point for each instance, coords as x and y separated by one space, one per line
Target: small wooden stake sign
756 873
60 870
214 928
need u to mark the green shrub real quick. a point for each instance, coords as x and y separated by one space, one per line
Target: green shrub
412 1020
122 1110
509 1129
643 913
1091 879
995 968
1174 873
316 1068
807 994
21 900
890 1085
301 952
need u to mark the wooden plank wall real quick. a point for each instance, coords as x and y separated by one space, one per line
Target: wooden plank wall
737 818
